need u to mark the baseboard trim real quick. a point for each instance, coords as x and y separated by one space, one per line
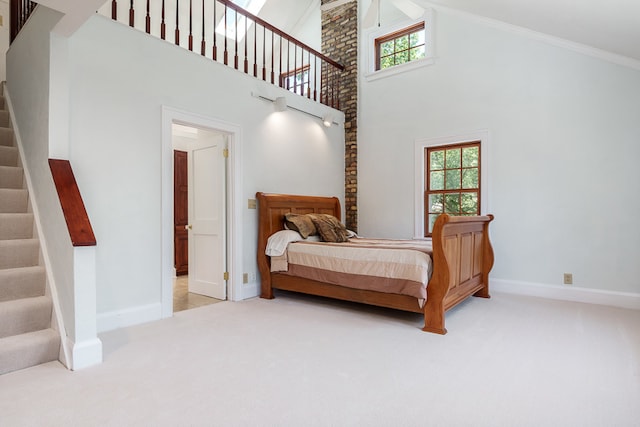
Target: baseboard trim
568 293
86 353
128 317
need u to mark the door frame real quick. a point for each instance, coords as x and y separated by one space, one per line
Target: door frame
234 198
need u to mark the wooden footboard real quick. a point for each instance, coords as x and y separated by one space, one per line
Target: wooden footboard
462 260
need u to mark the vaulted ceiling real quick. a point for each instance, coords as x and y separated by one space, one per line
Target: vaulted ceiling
612 25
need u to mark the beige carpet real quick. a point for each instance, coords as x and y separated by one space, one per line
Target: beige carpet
301 361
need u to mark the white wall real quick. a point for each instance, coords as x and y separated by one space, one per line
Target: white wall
563 175
120 79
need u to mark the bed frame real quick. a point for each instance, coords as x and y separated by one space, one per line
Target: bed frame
462 260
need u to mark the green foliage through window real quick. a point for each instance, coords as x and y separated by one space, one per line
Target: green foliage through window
452 181
401 47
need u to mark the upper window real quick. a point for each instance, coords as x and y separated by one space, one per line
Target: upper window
400 47
296 81
452 184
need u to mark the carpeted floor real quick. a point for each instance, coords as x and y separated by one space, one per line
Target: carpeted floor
303 361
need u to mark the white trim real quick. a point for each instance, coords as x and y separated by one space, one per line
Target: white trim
87 353
128 317
250 290
66 349
234 207
398 69
567 293
422 143
370 72
545 38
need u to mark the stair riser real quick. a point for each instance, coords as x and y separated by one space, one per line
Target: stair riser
16 226
20 283
19 253
13 200
24 315
6 134
4 119
8 156
27 350
11 177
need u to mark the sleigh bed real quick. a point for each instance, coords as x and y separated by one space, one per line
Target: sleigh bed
460 255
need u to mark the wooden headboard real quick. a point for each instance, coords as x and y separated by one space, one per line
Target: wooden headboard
271 211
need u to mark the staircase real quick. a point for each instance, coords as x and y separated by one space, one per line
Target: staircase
26 336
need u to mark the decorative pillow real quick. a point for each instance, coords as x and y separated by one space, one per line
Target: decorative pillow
330 228
300 223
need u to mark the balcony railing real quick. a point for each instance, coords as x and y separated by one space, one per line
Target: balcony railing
20 12
227 33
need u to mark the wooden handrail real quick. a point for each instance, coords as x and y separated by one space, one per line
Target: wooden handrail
73 208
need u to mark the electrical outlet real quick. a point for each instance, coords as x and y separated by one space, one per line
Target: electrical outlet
251 204
252 276
568 279
245 277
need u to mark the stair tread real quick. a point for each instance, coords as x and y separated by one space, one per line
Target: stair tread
22 282
16 225
24 315
18 242
29 349
19 253
14 200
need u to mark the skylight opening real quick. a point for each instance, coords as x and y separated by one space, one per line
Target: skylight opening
236 30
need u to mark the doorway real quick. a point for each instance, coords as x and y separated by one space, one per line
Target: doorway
200 227
234 206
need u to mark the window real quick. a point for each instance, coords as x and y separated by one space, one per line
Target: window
296 81
452 181
400 47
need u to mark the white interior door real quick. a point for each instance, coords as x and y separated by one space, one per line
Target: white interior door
207 225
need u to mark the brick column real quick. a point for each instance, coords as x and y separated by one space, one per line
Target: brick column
340 43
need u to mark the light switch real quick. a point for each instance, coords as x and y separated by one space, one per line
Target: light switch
252 204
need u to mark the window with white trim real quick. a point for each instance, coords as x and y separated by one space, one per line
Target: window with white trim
401 47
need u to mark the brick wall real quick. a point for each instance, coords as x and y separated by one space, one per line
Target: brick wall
340 43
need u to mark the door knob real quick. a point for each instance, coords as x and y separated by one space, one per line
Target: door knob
187 227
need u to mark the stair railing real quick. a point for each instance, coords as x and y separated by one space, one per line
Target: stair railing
229 34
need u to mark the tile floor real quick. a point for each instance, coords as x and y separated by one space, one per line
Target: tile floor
185 300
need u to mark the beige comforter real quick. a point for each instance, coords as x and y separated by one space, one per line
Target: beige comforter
391 266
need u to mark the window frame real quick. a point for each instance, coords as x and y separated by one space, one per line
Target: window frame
408 31
421 144
444 191
371 72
